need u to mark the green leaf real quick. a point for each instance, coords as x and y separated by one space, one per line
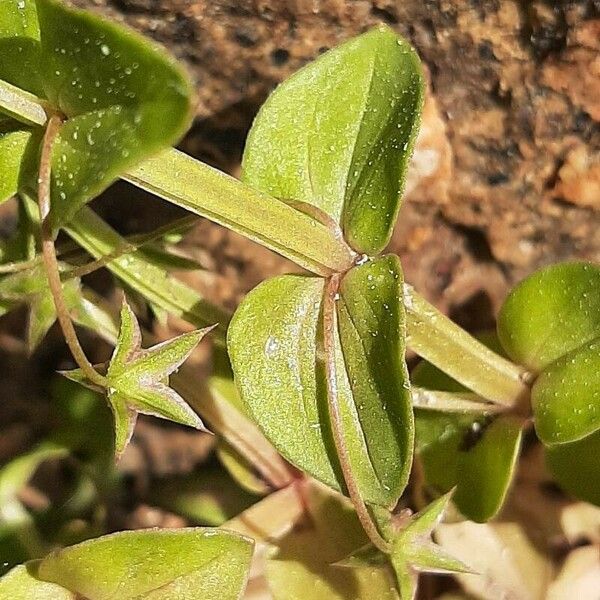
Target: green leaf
467 451
413 551
97 74
566 396
551 313
485 472
19 45
153 564
13 146
19 584
274 343
371 323
338 135
306 563
575 467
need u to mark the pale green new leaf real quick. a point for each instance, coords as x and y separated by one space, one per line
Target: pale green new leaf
182 564
274 342
339 133
14 142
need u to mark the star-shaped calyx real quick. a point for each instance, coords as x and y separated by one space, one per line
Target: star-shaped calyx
137 379
412 549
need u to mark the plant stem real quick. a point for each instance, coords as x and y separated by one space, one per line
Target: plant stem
452 402
188 183
49 255
335 415
22 105
100 240
437 339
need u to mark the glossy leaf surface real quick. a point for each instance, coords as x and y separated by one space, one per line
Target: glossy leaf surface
551 313
575 467
95 73
467 451
338 135
13 145
566 396
19 37
180 564
275 342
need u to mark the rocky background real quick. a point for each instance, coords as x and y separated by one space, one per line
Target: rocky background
506 177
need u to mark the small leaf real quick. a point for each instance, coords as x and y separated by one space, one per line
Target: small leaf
19 584
372 331
473 453
566 396
551 313
274 344
339 134
153 564
14 145
19 45
486 471
575 467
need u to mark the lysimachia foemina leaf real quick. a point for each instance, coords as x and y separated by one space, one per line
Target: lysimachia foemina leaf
19 45
551 313
137 379
575 467
551 323
18 154
339 133
95 73
275 344
151 564
473 453
566 396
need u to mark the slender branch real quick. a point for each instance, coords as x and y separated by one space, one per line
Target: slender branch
22 105
436 338
452 402
49 255
337 426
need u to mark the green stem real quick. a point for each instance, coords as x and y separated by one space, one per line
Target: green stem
188 183
134 269
437 339
22 105
452 402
